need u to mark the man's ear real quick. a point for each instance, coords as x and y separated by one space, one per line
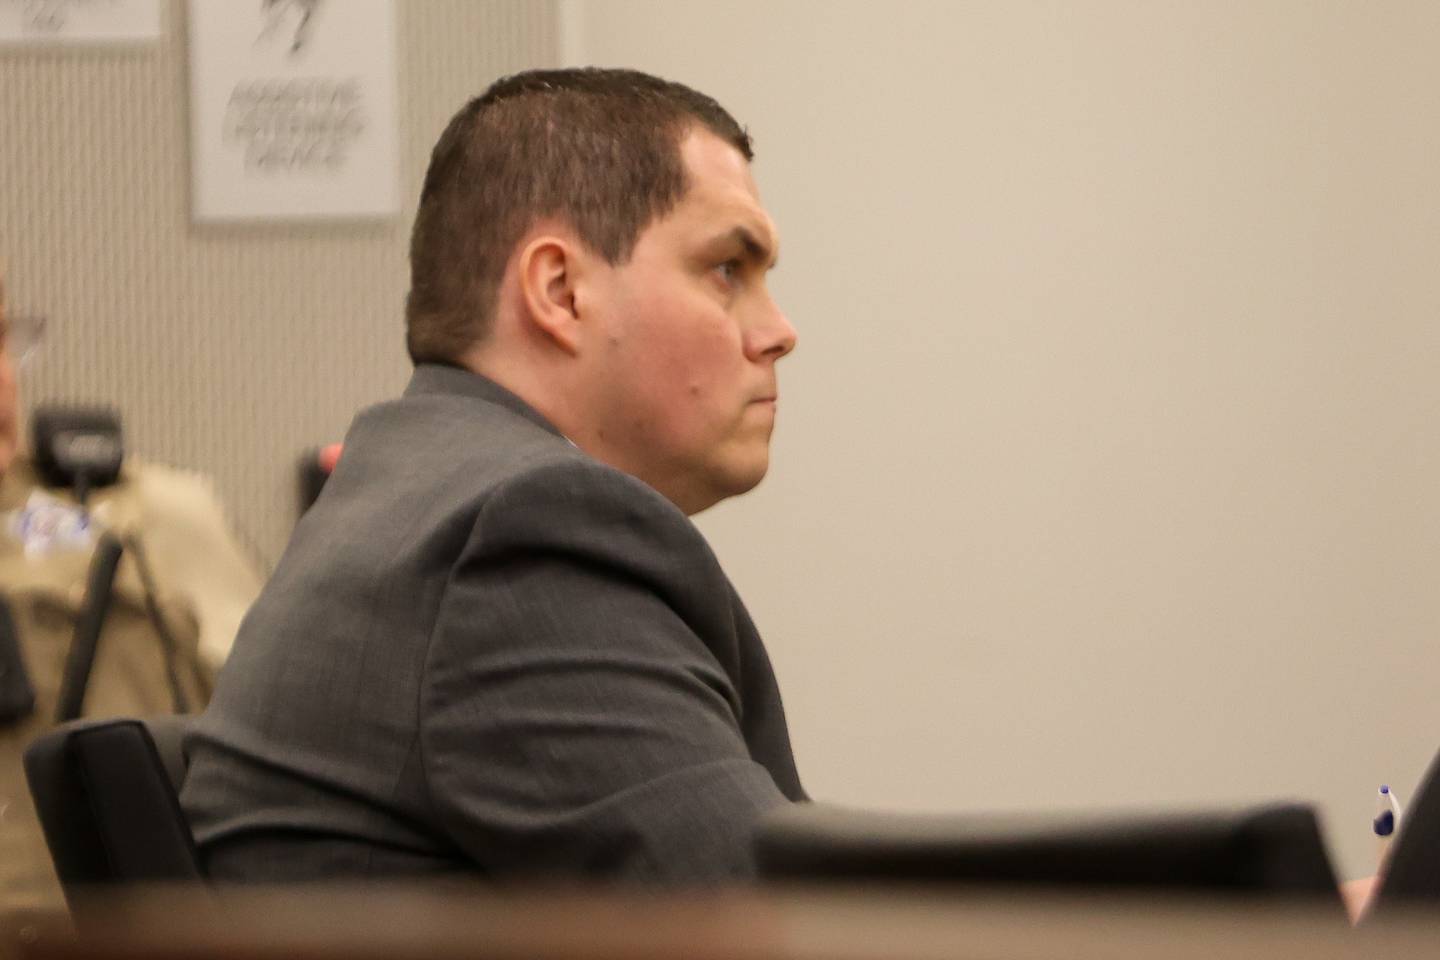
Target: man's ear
549 267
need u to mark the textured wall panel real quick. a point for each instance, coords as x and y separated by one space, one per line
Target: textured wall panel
227 349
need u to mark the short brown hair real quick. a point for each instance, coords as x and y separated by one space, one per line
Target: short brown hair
596 148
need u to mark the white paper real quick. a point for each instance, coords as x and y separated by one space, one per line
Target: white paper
64 22
293 109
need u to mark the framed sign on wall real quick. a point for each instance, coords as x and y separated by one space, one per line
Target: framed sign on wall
293 109
71 22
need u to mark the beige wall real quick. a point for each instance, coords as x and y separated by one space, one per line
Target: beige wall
1109 463
232 349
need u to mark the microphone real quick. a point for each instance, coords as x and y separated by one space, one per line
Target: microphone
77 447
82 448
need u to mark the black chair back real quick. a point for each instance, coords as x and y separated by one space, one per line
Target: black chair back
1269 851
108 804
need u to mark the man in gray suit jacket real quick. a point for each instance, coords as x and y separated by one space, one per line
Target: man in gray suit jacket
497 643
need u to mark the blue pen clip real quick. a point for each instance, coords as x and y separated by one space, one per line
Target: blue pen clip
1387 817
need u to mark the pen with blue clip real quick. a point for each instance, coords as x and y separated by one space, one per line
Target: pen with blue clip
1387 821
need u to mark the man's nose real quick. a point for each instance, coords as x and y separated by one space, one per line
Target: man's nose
771 336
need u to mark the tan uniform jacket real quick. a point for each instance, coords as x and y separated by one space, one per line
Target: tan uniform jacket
204 583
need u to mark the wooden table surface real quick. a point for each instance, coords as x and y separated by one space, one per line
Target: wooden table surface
323 923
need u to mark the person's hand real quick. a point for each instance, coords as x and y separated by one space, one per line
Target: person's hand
1358 895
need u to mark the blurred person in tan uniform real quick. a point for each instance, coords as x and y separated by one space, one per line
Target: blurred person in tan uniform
203 583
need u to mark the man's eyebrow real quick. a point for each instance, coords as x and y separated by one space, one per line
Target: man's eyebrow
756 250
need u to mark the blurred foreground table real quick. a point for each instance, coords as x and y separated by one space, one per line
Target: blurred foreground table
436 923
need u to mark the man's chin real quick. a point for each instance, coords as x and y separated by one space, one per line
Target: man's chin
747 478
731 484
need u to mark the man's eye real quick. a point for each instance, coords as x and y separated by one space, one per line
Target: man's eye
729 270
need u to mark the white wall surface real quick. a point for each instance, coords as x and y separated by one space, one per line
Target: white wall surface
1108 468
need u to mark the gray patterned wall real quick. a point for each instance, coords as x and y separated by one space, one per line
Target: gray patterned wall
226 349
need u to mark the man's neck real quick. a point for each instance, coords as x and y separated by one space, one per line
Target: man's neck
541 393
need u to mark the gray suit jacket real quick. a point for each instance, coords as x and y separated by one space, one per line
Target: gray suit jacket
484 650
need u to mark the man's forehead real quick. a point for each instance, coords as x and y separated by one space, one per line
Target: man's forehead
722 194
